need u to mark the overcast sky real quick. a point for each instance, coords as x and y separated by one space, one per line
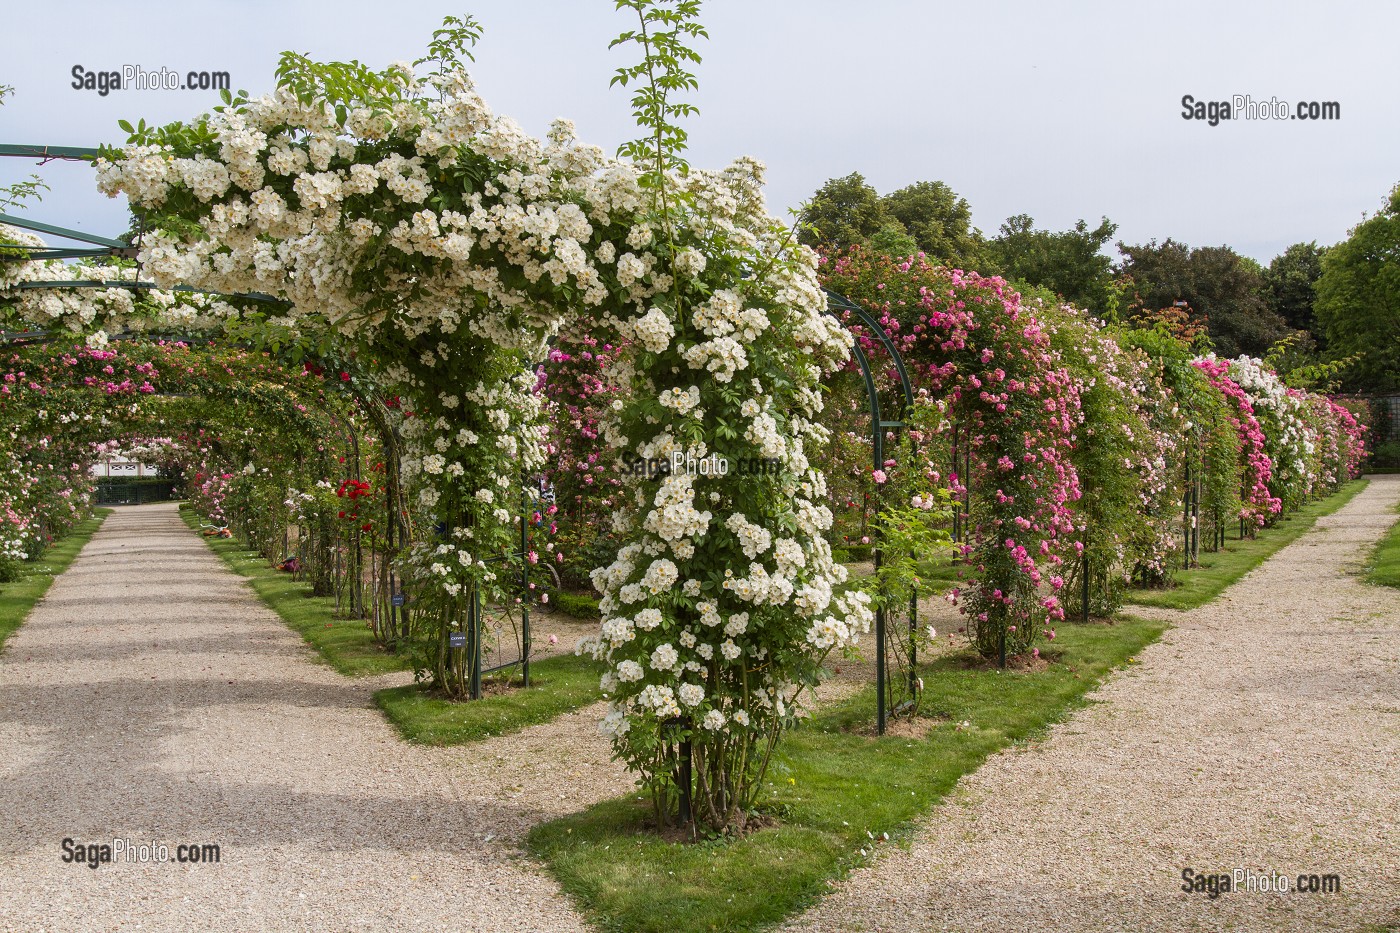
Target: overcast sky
1056 110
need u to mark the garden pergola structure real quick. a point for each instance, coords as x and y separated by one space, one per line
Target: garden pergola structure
838 306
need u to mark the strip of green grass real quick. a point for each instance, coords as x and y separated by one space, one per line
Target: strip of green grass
1200 585
557 685
347 645
836 792
17 598
1385 561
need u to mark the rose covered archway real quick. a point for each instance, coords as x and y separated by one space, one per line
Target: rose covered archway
400 221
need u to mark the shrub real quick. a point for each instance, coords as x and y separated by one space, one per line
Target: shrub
578 605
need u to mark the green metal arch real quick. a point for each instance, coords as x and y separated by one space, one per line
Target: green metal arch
836 305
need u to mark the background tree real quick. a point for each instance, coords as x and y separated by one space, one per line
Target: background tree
926 217
1220 289
1358 300
893 240
1068 263
940 222
1289 284
845 212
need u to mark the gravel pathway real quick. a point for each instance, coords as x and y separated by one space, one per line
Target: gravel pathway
1261 733
152 697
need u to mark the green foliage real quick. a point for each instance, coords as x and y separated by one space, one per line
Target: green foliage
893 240
940 222
926 217
912 528
1069 263
846 211
1290 283
578 605
1300 367
1387 455
834 794
1211 441
1125 455
1358 300
1221 290
341 84
452 44
666 28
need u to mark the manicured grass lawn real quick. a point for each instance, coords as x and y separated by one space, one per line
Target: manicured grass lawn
1200 585
1385 562
17 598
346 644
834 791
557 685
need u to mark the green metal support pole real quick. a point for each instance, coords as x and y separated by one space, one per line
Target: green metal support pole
1186 521
881 673
687 781
965 477
49 153
913 634
474 625
524 584
392 624
957 509
63 232
1084 587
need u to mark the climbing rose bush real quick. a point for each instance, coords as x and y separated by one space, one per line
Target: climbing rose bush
1289 437
397 216
1341 442
1126 454
93 312
1258 503
583 477
724 599
968 339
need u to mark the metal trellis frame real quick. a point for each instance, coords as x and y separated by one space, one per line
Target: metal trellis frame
838 306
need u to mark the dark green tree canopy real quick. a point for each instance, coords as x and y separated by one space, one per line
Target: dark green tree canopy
1358 300
844 212
1215 285
940 223
926 217
1290 284
1068 263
